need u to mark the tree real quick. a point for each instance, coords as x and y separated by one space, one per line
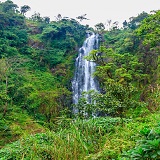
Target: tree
50 103
116 74
8 66
58 17
149 35
135 21
115 25
25 9
109 21
36 17
100 27
125 24
8 7
82 17
46 20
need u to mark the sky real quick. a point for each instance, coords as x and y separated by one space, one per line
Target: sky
97 10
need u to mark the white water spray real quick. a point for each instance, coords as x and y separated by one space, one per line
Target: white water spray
83 79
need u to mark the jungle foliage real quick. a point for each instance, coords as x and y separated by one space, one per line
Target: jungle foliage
37 59
36 63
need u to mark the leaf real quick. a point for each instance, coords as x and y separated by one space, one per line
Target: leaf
158 152
154 156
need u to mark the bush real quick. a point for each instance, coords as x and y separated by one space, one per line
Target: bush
148 147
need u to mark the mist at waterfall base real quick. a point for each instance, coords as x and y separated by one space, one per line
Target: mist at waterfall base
84 80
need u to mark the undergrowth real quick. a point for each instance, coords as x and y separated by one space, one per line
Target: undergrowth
97 138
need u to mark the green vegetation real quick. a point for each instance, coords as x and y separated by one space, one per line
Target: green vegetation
97 138
36 67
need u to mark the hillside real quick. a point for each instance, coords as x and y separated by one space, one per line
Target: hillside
36 67
37 64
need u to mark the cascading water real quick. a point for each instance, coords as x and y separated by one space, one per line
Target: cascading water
83 79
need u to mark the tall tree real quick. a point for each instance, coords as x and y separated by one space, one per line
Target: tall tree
135 21
58 17
100 27
25 9
125 24
9 6
36 17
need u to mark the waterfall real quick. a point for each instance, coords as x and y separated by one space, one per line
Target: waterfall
83 79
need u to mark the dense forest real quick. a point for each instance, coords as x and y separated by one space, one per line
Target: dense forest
37 64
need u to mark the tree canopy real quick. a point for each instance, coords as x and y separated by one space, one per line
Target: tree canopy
37 64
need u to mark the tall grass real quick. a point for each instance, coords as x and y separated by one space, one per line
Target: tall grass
99 138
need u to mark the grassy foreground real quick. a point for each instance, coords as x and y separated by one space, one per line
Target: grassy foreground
98 138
